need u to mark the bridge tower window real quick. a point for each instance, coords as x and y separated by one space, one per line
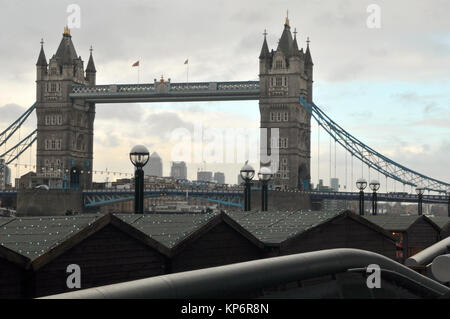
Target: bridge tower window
279 81
279 64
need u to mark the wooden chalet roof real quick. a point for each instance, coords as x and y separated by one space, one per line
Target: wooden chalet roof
276 226
33 236
441 221
398 222
167 228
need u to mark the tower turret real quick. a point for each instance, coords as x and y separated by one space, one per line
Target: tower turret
281 83
64 126
90 69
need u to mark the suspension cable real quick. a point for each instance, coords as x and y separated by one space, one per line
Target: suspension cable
329 181
318 154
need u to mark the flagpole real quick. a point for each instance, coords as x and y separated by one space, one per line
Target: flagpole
187 72
139 66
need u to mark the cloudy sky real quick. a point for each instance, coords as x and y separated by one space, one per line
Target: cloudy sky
388 86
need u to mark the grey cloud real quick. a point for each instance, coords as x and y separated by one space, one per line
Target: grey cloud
10 112
163 124
128 112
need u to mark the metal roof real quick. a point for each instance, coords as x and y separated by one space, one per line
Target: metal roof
169 228
441 221
33 236
274 227
393 222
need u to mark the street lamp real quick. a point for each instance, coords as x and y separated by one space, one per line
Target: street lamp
139 156
361 183
448 207
420 190
247 174
374 186
264 175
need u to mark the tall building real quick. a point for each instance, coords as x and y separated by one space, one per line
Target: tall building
334 184
5 174
284 75
205 176
178 170
219 177
64 125
154 166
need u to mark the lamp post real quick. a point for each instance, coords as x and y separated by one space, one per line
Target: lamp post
139 156
361 183
247 174
448 207
420 190
264 175
374 186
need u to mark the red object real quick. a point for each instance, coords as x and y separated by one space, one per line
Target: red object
136 63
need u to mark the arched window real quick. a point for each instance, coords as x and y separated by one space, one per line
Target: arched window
279 64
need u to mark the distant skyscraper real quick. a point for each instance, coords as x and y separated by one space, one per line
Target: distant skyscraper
334 184
5 174
205 176
178 170
239 179
154 166
219 177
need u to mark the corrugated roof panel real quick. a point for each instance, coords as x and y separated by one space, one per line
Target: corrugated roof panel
33 236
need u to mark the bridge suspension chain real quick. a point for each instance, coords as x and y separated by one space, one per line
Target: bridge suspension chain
372 158
10 130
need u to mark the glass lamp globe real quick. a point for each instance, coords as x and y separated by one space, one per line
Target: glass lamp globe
361 183
420 190
247 172
374 185
265 174
139 155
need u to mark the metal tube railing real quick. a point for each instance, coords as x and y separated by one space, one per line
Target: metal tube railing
251 276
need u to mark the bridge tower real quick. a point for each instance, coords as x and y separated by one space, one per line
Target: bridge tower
284 75
64 126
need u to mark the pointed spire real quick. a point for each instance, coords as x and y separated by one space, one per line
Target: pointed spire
265 48
67 58
308 60
285 43
42 60
66 31
295 51
91 66
287 18
66 50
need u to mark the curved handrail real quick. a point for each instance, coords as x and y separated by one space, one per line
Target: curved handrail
236 279
427 255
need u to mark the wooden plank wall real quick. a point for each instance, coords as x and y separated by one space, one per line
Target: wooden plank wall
220 246
341 233
108 256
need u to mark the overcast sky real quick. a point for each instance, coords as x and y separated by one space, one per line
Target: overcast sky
388 86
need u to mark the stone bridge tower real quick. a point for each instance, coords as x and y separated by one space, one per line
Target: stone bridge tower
65 126
284 75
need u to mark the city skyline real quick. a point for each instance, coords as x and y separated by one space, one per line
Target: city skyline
367 73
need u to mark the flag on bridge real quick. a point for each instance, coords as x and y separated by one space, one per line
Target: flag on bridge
136 63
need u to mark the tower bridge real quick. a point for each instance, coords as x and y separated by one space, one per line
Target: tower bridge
67 95
165 91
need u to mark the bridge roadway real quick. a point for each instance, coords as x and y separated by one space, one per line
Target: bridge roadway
315 195
91 197
168 92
